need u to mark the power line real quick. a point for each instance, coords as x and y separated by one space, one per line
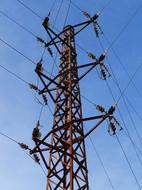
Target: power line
124 124
80 9
117 37
121 95
19 52
52 7
125 26
68 10
134 128
13 48
23 80
130 116
130 77
128 162
16 142
134 125
19 78
107 175
25 29
127 134
76 6
123 29
27 83
14 21
90 137
15 75
59 9
105 6
31 33
122 65
10 138
54 61
102 164
88 100
138 115
31 10
116 82
120 112
130 81
58 12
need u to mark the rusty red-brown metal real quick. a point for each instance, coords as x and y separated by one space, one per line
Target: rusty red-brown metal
65 143
70 173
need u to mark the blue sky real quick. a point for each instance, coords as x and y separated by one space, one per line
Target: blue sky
19 111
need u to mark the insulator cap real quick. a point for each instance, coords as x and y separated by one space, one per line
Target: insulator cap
36 158
39 67
96 15
111 110
45 99
91 55
24 146
50 51
34 87
36 134
40 40
103 56
113 128
100 108
46 23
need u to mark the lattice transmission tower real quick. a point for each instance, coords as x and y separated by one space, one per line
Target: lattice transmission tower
63 150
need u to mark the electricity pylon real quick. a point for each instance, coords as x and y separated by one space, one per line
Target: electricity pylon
65 143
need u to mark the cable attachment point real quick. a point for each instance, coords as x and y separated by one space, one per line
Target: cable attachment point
104 72
46 23
113 122
36 158
39 68
100 108
36 134
93 19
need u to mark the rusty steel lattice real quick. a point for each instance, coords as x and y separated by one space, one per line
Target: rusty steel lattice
69 165
65 143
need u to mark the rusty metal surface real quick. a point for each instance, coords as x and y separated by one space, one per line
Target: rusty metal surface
64 145
70 173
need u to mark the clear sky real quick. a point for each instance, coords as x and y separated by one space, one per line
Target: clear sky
19 110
